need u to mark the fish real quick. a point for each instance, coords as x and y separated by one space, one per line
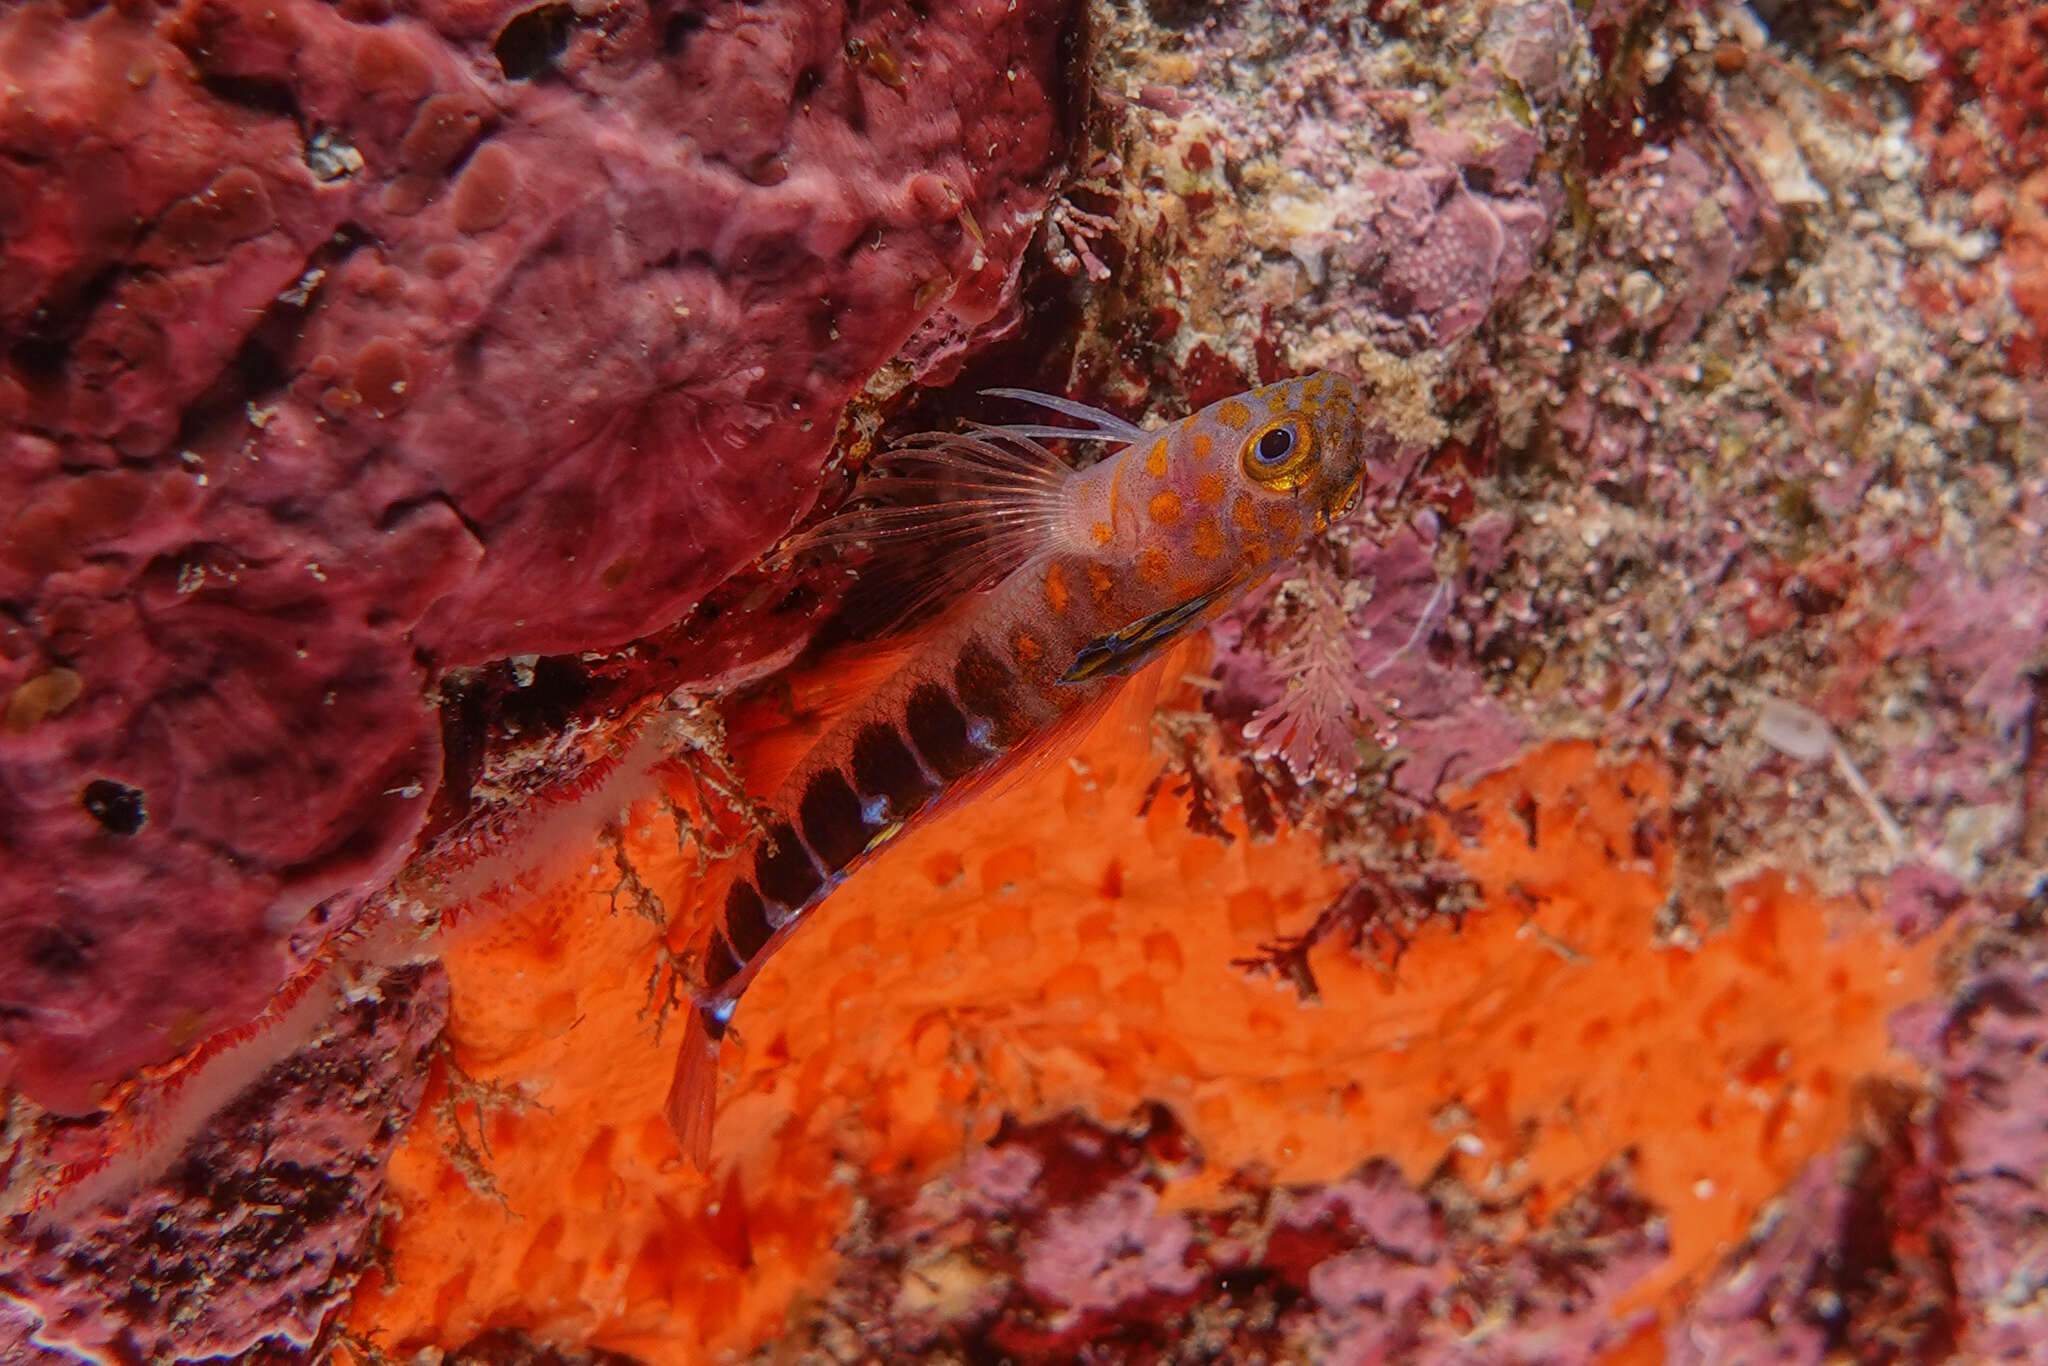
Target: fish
1056 585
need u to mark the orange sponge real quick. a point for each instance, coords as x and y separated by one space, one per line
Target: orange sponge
1049 948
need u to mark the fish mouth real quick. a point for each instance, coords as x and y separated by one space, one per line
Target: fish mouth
1344 499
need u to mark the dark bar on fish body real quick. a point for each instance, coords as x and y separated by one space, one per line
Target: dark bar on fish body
831 819
885 766
939 731
989 691
746 921
721 964
784 870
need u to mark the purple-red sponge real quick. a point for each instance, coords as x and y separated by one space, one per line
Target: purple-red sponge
344 344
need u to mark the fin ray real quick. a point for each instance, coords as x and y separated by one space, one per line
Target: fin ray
1032 429
949 514
1103 426
693 1094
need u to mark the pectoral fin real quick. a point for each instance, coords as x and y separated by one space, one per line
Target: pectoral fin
1123 651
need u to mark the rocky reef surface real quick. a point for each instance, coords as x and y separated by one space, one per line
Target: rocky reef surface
1588 909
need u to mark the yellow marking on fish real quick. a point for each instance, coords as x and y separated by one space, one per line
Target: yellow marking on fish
1152 565
1209 488
1155 462
1234 414
1204 447
1245 515
1056 595
1313 390
883 836
1165 507
1208 539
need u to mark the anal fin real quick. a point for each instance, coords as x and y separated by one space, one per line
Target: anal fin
693 1094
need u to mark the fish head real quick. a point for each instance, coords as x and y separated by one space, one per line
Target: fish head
1298 452
1200 510
1240 485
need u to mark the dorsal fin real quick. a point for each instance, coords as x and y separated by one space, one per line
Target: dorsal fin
1102 426
952 513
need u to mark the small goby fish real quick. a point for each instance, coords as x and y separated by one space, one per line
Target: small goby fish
1071 580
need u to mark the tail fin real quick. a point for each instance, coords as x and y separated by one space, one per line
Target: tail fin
693 1095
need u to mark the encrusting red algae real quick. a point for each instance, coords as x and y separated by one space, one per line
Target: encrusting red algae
1089 573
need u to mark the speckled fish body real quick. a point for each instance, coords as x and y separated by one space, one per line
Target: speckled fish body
1094 572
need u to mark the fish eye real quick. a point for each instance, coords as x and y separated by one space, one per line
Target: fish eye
1280 456
1275 446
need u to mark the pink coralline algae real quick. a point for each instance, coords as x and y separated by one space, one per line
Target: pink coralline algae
1986 1051
1689 220
347 346
250 1243
1674 228
1843 1266
1431 253
1974 649
1049 1244
1112 1248
1356 192
1450 212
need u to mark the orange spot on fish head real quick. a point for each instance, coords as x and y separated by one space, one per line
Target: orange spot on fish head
1101 532
1203 446
1152 565
1234 413
1209 488
1283 398
1245 514
1165 507
1026 647
1155 460
1208 540
1284 520
1255 552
